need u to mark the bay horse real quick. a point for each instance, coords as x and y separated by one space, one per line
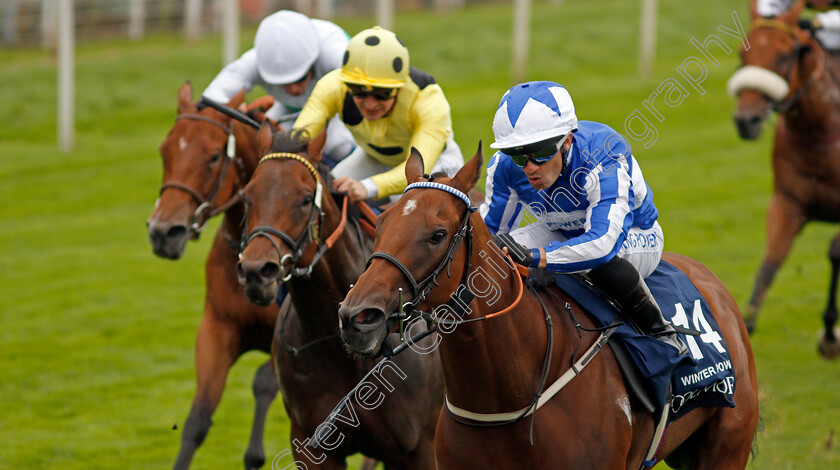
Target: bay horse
785 69
201 178
429 245
298 234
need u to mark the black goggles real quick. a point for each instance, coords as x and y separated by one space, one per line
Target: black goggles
379 94
538 157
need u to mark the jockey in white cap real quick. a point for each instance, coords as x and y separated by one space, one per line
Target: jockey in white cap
291 53
825 24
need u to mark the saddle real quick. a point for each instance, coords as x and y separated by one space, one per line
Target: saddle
654 371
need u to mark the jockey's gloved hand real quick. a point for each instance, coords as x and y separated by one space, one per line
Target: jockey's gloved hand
518 252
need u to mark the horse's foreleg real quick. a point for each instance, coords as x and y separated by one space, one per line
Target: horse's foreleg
265 388
784 220
305 457
216 348
828 346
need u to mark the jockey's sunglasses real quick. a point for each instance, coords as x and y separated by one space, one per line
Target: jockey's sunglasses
379 94
538 157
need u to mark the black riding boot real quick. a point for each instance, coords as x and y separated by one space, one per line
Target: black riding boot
619 279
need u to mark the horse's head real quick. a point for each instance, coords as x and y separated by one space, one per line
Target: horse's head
768 72
284 216
416 257
204 158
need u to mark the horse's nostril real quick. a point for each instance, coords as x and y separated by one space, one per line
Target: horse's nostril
368 316
176 231
270 271
755 120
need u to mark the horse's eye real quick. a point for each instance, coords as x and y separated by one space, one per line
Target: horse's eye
437 237
307 200
216 156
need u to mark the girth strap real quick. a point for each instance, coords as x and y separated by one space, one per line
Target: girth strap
547 395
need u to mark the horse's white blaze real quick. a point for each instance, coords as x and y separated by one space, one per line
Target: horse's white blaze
182 142
409 207
751 77
624 404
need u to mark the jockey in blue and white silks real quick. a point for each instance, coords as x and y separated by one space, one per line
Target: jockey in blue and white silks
594 211
600 205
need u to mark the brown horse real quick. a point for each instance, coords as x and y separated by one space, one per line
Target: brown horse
785 69
200 180
298 234
498 361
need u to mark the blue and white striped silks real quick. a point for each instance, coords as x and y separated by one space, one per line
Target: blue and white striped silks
600 196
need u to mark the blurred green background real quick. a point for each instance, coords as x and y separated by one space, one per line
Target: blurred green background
97 334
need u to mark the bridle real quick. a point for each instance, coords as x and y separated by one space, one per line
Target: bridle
205 210
420 290
796 55
312 232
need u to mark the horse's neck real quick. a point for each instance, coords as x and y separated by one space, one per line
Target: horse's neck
317 298
232 224
501 357
817 112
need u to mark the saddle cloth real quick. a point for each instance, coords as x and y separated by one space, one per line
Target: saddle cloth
704 377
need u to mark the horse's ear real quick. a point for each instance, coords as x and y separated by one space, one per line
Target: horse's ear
237 99
265 137
185 97
753 8
414 166
316 146
467 176
791 16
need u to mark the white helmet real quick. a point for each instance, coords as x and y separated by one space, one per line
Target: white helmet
287 46
533 112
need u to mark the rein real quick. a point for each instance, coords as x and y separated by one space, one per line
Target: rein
420 290
786 104
312 231
205 210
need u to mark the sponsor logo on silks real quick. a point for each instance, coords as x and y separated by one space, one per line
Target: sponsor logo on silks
567 226
640 240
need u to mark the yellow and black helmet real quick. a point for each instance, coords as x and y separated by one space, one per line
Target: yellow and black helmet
375 57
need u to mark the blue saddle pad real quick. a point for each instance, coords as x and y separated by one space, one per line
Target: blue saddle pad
702 378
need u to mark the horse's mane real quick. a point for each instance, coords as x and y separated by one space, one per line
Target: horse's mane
437 174
292 141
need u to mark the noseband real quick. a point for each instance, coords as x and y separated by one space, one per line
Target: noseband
312 231
205 210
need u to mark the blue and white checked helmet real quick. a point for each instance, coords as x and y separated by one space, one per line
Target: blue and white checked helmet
533 112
